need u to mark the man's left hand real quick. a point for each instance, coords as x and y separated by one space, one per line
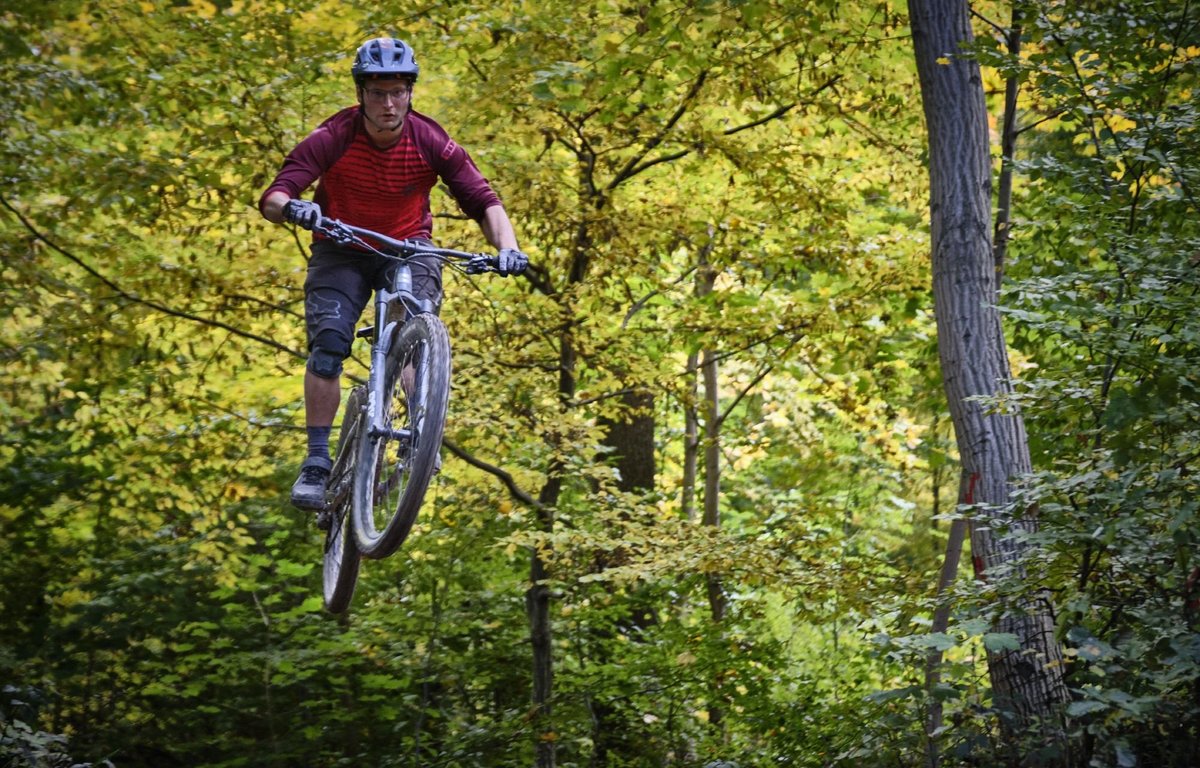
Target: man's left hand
510 261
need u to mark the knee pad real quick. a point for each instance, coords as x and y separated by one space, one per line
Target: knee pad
324 363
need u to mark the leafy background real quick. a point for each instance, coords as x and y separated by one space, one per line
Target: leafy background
740 184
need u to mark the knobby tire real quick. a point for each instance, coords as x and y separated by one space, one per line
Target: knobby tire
340 572
394 468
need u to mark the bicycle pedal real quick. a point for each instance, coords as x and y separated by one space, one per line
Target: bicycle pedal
365 333
324 520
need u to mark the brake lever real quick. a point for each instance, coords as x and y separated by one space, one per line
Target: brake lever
481 263
337 231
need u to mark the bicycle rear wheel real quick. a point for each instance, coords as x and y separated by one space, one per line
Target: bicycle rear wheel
340 572
396 464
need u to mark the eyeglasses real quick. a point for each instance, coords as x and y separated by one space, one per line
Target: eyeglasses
380 96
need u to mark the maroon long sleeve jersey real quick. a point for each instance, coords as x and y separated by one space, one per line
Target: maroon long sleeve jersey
386 190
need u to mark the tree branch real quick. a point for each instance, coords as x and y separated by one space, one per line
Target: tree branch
1029 127
632 168
762 374
134 298
504 477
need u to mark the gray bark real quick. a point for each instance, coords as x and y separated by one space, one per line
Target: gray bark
993 447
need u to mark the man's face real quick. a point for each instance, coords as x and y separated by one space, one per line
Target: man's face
386 101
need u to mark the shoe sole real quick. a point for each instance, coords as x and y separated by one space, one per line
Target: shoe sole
309 503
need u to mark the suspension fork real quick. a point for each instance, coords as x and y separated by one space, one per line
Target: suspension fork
393 307
387 323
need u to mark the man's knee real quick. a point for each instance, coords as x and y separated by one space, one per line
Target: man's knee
325 363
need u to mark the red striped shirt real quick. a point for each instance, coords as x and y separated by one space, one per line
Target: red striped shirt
386 190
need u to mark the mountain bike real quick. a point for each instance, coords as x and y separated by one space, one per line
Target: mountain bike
391 433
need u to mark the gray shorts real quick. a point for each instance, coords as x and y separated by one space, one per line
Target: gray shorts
339 284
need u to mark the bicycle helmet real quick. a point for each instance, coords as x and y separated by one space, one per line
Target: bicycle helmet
384 57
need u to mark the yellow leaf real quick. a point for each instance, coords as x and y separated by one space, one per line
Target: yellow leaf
74 596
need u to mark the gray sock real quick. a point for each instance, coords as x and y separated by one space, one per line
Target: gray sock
318 441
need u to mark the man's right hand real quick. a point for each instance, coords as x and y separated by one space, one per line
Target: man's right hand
302 213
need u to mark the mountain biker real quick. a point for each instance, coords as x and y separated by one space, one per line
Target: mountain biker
375 165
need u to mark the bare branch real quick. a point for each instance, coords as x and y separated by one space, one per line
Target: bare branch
133 298
504 477
999 30
762 374
632 167
1036 123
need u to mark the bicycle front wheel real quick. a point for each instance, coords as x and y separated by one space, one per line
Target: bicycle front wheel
340 572
396 463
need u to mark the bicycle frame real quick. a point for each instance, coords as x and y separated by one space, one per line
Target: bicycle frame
387 321
384 468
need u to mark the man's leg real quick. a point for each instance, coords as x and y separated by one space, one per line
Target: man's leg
322 396
336 289
321 399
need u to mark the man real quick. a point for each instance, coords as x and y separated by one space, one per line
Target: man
375 165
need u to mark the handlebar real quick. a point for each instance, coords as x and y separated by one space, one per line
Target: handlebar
348 234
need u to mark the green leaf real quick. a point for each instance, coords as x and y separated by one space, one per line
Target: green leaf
1082 708
1001 641
894 694
290 569
938 641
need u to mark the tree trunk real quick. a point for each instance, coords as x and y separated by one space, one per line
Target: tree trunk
1008 143
538 596
712 471
958 528
710 409
537 605
993 446
631 438
691 440
705 279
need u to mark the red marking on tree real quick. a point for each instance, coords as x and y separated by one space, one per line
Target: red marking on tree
969 498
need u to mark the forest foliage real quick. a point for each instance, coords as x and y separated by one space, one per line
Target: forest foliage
740 183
